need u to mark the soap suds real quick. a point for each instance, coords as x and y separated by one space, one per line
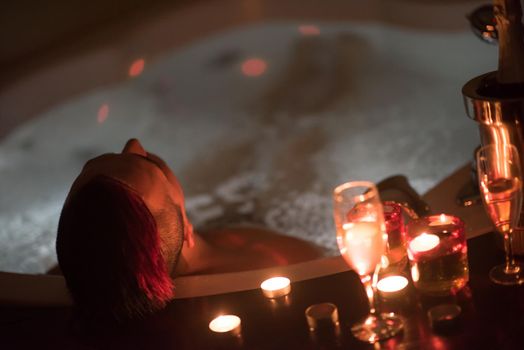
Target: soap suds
400 113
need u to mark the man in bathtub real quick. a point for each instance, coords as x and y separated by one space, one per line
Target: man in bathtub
124 233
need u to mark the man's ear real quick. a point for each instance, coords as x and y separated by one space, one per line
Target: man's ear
188 228
182 266
188 232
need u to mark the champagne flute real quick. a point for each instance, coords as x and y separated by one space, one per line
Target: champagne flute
362 238
500 181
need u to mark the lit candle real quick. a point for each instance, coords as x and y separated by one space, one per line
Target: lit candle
424 242
443 219
276 287
431 240
226 324
392 286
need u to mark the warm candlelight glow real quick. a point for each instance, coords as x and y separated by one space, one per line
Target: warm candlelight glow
276 287
225 323
424 242
137 67
443 219
254 67
102 114
415 274
363 244
347 226
309 29
437 253
392 284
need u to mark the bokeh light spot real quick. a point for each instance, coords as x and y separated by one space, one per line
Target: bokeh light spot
102 114
309 29
136 68
254 67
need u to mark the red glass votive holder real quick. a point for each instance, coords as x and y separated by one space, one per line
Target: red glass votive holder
437 253
396 250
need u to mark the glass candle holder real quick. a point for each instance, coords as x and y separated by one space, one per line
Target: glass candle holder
437 253
396 247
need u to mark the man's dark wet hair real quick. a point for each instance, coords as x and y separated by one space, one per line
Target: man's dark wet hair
115 261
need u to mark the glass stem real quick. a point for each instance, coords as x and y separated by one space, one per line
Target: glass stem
370 285
511 267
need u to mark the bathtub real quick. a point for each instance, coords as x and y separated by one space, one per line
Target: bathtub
260 108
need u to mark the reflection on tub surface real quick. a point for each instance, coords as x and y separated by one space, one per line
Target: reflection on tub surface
259 124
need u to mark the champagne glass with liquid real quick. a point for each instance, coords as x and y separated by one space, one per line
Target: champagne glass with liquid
500 181
362 238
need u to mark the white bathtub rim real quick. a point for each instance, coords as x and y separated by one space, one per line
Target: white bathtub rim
50 290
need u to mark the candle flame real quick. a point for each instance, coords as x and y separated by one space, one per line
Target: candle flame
392 284
275 283
347 226
224 323
424 242
442 219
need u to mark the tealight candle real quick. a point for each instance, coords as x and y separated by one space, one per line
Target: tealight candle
443 219
276 287
226 324
392 286
424 242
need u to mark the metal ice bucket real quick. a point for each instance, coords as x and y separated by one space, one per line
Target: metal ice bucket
499 112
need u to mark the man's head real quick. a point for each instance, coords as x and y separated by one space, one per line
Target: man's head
120 235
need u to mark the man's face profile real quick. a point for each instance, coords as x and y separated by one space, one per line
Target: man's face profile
121 233
148 175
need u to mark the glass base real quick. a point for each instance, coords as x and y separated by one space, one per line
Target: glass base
373 329
499 275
